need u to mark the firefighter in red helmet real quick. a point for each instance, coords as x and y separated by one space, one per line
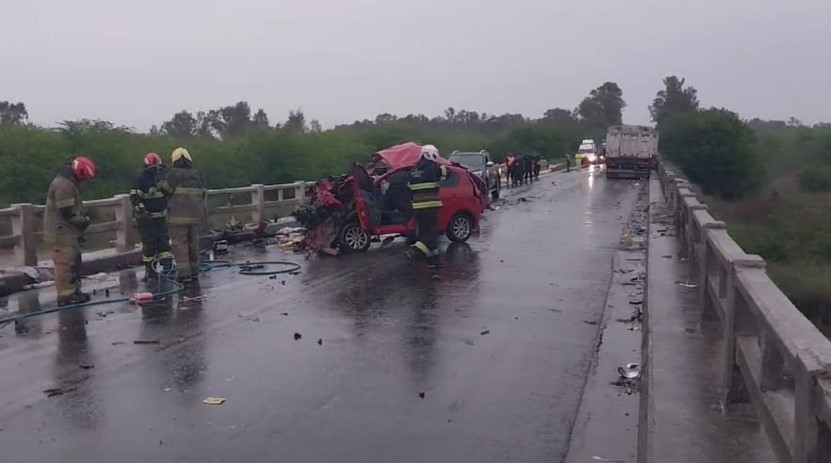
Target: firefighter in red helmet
64 224
149 197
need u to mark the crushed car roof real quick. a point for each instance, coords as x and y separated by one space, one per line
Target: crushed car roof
404 155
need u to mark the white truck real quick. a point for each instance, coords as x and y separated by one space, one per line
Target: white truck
631 151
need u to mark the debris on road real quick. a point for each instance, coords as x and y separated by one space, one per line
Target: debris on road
104 313
144 342
485 332
298 336
590 322
607 460
117 343
422 394
214 401
319 341
54 392
629 371
85 366
687 285
285 314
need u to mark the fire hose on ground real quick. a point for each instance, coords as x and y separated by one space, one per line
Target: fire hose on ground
249 268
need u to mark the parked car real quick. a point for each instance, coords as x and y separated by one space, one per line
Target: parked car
462 205
481 165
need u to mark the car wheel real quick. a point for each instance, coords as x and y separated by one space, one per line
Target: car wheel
460 228
495 193
354 238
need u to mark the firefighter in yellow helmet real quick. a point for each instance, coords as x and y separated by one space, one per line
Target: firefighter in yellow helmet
185 212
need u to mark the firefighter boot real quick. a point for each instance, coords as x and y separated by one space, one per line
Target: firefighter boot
77 297
150 272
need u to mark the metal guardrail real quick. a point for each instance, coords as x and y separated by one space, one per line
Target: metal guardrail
772 356
117 211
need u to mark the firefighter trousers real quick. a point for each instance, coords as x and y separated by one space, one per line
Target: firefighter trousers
185 250
155 240
427 221
67 261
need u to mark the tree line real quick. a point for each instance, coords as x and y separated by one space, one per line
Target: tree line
236 146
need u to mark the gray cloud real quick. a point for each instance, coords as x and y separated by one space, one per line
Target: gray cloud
136 63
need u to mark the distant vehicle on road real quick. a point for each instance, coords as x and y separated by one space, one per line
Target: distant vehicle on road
588 152
481 165
631 151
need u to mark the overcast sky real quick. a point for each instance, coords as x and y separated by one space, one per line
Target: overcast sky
138 62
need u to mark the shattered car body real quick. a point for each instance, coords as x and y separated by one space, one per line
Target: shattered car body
348 212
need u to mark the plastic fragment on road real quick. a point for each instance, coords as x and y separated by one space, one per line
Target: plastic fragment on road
143 342
629 371
298 336
485 332
607 460
142 298
214 401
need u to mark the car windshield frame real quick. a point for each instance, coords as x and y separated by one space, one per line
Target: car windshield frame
480 165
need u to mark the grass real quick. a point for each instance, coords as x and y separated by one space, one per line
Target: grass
791 230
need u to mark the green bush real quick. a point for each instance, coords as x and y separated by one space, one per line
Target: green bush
714 148
815 178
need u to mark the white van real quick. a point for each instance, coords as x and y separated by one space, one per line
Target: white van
588 151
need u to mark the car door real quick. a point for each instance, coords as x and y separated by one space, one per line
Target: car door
365 199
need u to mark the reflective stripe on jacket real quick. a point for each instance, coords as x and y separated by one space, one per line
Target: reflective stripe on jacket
425 184
63 219
187 201
150 192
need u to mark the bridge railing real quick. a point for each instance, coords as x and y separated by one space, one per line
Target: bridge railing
772 356
21 225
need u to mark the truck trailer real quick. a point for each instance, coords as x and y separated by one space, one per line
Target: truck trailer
631 151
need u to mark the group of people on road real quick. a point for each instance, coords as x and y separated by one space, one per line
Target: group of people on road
523 168
168 205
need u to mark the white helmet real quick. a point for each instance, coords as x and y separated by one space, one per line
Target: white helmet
430 152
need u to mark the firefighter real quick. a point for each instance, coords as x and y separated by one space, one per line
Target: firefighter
64 223
425 183
578 161
149 197
185 212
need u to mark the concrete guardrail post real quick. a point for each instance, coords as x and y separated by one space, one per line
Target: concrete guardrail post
737 321
124 217
25 252
300 191
258 200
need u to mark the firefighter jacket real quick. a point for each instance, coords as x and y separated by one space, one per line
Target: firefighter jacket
64 221
149 194
187 200
425 183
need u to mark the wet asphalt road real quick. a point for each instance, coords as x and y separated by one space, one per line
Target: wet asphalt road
488 364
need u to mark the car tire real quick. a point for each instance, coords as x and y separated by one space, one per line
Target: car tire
495 193
460 228
353 238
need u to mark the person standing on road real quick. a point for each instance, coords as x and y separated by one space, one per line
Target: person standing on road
186 210
149 197
568 163
64 224
537 166
425 183
510 162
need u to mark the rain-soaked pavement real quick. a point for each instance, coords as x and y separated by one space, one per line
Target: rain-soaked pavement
487 364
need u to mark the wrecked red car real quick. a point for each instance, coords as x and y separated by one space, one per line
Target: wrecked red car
347 213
